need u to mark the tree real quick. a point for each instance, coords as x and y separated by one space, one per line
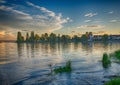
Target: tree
58 38
42 38
65 38
75 38
32 38
105 37
37 37
20 38
52 37
27 37
84 38
46 37
87 34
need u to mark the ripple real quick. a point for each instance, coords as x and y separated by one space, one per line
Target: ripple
7 62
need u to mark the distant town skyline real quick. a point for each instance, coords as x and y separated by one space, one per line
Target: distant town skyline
59 16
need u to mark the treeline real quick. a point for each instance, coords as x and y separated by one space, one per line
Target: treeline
51 38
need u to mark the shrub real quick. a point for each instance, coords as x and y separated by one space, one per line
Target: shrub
105 60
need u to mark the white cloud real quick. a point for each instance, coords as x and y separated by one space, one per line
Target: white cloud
48 12
90 26
43 21
98 21
20 14
114 20
50 20
111 12
90 14
87 21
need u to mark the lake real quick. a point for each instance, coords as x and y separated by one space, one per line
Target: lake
27 64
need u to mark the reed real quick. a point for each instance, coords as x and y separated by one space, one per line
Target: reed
66 68
106 60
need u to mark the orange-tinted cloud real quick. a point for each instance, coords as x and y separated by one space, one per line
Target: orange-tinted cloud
7 36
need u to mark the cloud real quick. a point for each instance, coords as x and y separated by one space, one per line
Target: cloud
94 21
99 32
114 20
42 21
111 12
50 19
91 27
48 12
2 1
19 14
98 21
87 21
6 35
90 14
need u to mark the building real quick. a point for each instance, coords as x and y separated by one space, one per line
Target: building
114 37
97 37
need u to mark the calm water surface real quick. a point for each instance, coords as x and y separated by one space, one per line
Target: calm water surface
27 64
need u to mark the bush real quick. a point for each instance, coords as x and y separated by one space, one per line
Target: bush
66 68
113 82
105 60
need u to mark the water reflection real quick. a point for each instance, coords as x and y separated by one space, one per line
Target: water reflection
87 47
64 49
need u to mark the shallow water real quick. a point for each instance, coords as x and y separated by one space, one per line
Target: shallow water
27 64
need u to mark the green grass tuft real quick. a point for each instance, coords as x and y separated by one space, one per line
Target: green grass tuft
66 68
106 60
113 82
117 54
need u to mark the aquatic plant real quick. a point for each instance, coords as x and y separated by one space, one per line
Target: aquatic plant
115 81
106 60
117 54
66 68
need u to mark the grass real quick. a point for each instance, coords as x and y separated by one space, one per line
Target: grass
117 54
66 68
113 82
106 60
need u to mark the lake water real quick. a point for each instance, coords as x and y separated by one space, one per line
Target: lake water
27 64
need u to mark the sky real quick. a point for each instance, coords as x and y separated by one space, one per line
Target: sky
59 16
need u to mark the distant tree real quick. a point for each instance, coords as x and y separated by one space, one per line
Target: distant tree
84 38
76 38
58 38
27 37
46 37
37 37
42 38
20 38
87 34
105 37
32 37
52 37
65 38
90 33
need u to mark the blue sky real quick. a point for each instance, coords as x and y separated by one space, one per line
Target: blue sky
59 16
